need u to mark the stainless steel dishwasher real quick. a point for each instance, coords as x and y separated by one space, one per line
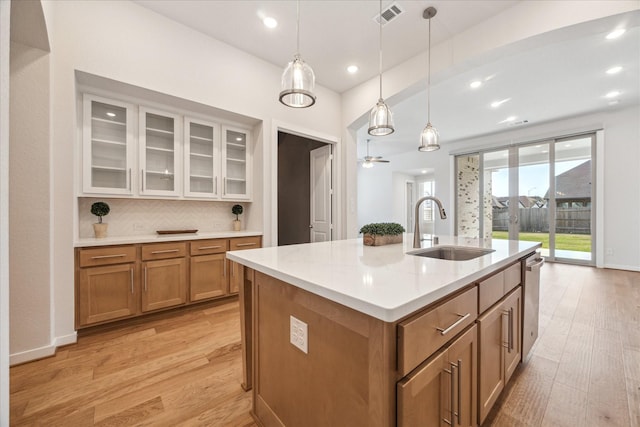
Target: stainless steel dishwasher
531 302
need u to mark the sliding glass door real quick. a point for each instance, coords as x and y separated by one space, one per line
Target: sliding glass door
537 192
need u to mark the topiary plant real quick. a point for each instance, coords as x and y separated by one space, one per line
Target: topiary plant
236 210
100 209
382 229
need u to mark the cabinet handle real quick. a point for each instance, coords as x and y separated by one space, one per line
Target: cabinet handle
246 244
142 180
459 414
445 331
536 265
131 271
224 268
215 185
145 278
511 329
450 372
202 248
108 256
129 186
166 251
505 343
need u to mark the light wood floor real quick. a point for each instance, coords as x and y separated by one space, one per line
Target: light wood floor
184 368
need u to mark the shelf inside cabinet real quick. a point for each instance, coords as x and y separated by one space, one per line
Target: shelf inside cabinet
164 150
106 121
200 138
236 146
160 132
201 176
206 156
152 172
231 159
107 168
108 141
236 179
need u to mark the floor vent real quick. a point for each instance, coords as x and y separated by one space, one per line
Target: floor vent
389 14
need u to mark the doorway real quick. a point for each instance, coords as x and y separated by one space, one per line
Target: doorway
541 191
304 205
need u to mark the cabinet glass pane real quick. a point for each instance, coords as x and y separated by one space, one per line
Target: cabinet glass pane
236 162
108 146
160 137
201 158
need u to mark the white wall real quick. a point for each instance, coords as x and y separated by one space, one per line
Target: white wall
620 203
29 200
5 14
524 20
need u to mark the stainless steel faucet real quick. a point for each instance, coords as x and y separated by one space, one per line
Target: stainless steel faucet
416 229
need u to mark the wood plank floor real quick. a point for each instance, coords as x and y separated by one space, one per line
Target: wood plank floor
184 368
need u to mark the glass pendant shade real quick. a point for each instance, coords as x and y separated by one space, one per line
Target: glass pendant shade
367 164
380 120
298 82
429 139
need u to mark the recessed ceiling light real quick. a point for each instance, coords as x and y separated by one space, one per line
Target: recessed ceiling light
496 104
475 84
270 22
615 33
545 151
508 119
110 114
352 69
423 171
567 145
612 94
614 70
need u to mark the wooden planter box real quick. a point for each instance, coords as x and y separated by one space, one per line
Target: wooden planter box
376 240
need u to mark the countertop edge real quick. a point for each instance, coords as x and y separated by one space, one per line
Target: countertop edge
385 314
153 238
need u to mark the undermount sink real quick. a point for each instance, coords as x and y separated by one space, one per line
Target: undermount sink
452 253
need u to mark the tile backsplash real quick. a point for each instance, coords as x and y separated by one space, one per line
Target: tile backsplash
129 217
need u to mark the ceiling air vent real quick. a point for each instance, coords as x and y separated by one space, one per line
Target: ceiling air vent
389 14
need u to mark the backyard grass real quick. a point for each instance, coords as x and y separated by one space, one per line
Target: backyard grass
569 242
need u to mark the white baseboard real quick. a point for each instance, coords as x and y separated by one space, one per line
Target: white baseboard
622 267
42 352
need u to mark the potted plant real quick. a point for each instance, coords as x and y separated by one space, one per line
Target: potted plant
236 210
100 209
382 233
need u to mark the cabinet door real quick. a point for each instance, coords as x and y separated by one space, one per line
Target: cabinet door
492 339
208 277
236 164
512 309
107 147
237 277
164 283
423 396
160 153
201 159
462 357
106 293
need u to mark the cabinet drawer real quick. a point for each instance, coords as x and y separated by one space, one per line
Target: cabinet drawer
512 277
107 255
490 291
423 334
209 246
240 243
164 250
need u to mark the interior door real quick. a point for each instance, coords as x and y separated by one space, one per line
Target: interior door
320 171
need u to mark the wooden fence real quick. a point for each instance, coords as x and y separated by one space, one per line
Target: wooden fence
536 220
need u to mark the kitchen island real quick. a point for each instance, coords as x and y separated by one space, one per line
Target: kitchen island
338 333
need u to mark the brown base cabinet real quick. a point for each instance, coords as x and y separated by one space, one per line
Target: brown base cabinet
118 282
442 391
499 349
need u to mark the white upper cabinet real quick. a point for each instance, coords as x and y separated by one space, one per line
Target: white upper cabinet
108 149
132 150
201 159
236 163
160 153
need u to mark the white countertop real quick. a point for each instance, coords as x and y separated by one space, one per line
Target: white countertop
156 238
380 281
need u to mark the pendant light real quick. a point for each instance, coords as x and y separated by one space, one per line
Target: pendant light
429 136
380 118
298 79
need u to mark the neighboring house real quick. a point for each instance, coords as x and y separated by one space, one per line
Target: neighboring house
573 187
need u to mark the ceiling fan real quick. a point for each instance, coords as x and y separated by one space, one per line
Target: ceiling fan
368 160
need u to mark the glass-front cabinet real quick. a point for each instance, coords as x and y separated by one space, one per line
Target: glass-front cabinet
202 158
108 146
160 170
236 163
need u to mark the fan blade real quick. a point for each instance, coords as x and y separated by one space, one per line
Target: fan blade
379 160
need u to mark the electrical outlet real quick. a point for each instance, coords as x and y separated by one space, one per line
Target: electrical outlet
608 251
299 334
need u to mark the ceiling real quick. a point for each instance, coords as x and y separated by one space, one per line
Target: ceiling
551 76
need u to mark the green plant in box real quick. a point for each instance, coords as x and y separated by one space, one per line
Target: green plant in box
382 233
